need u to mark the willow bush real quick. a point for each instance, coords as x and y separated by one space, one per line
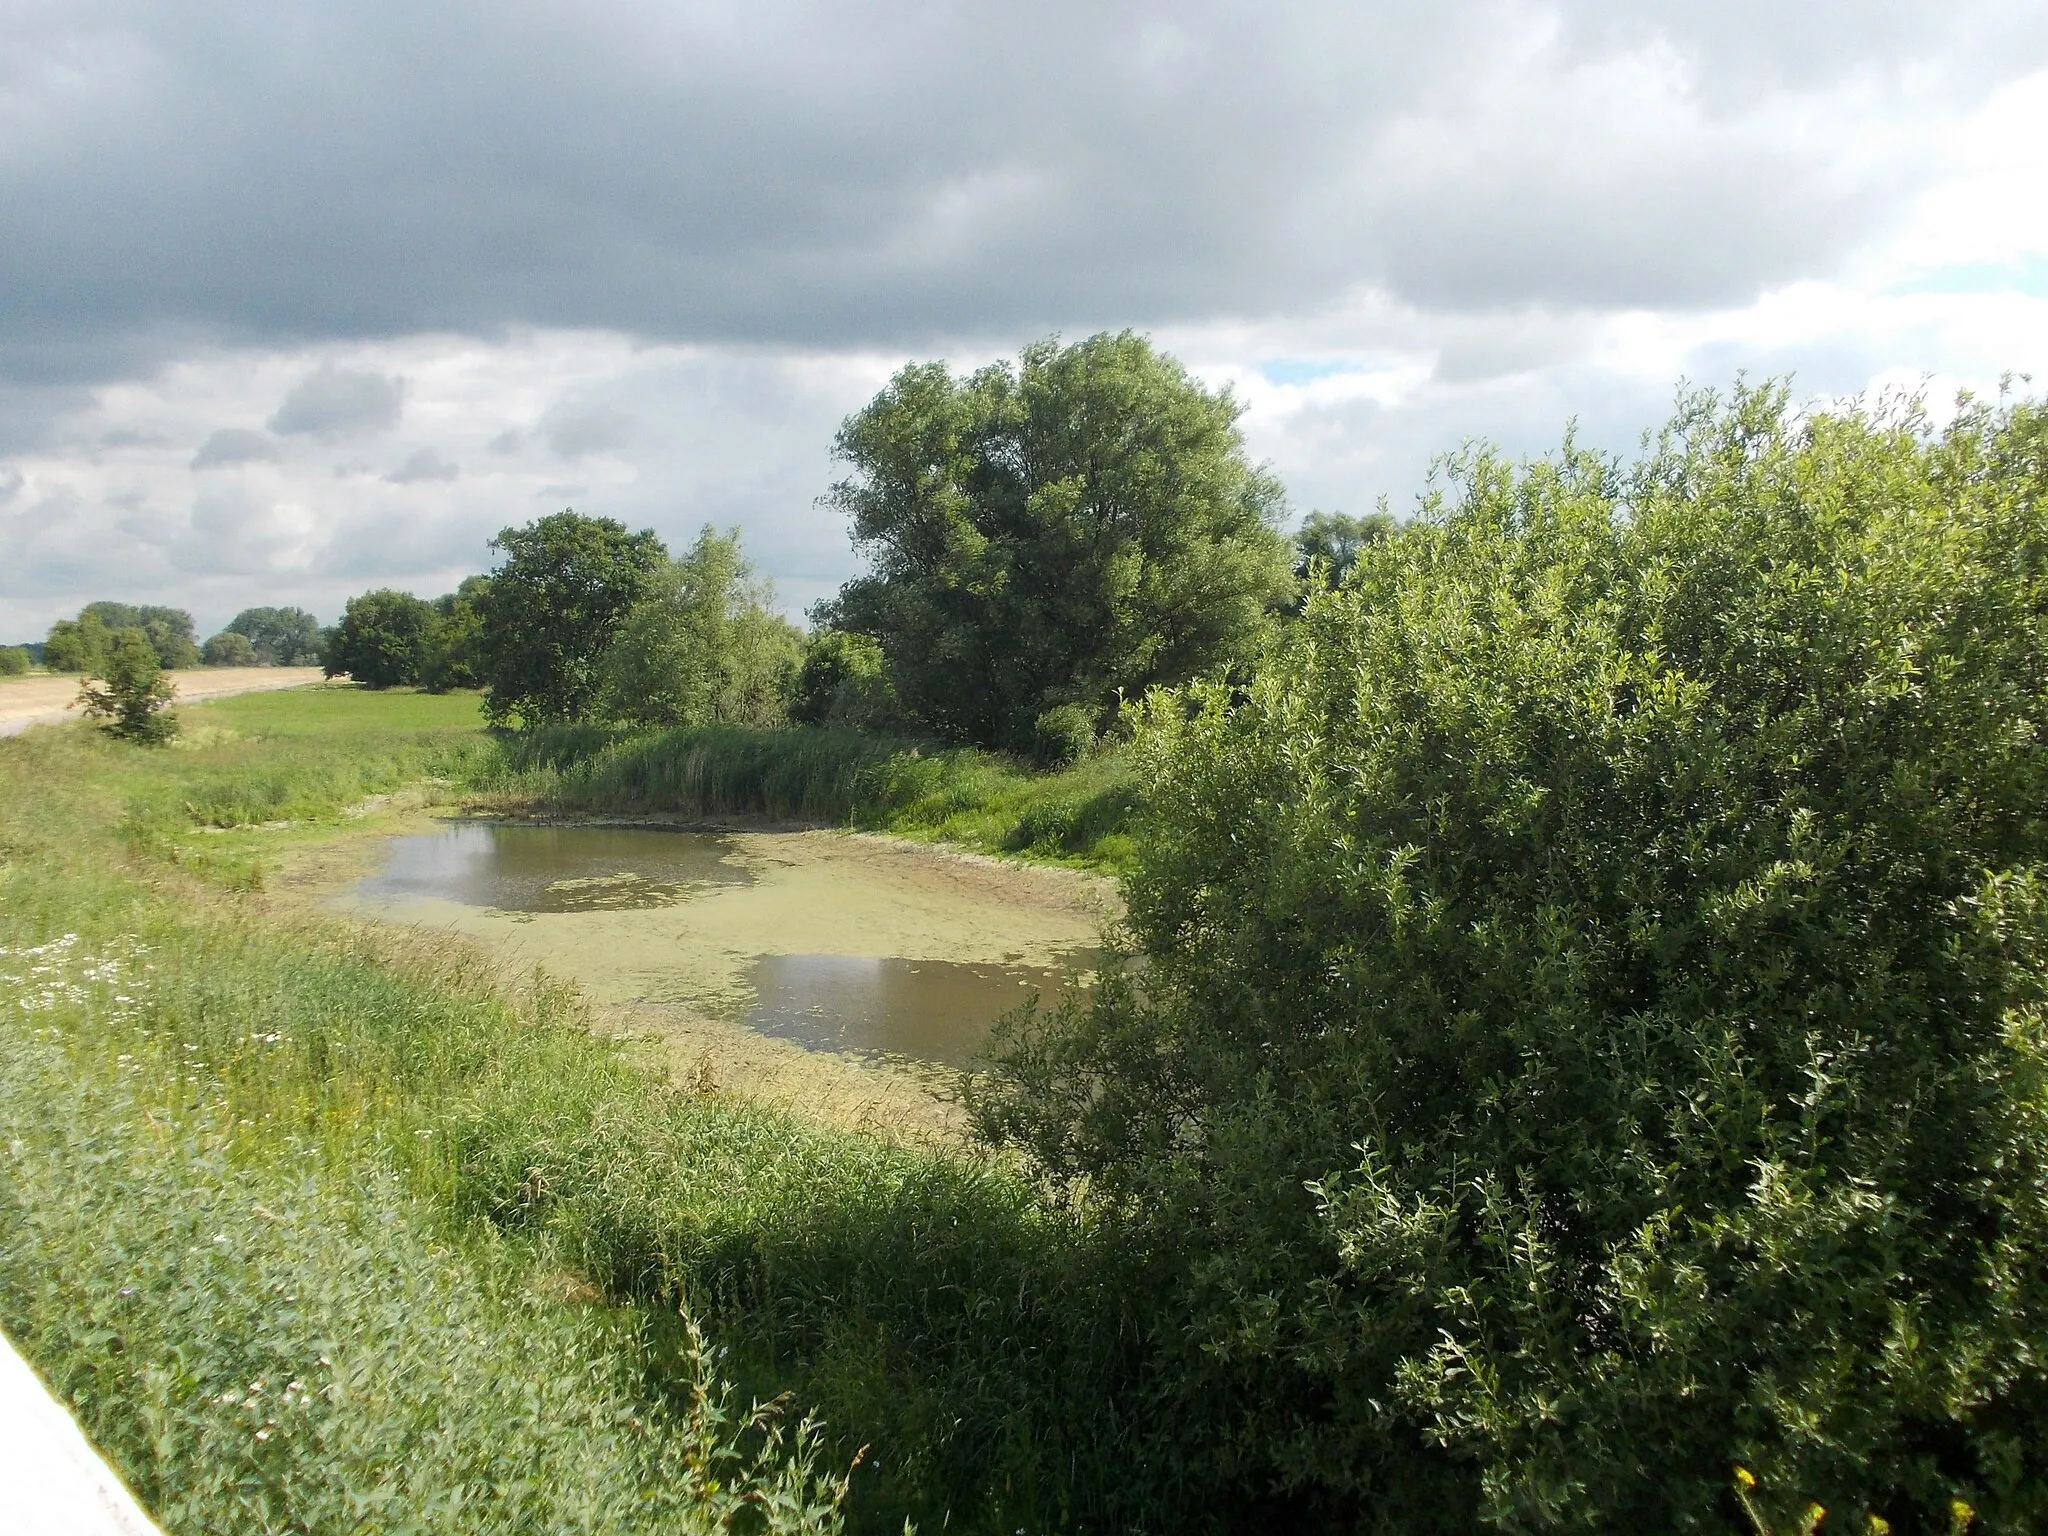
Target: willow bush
1588 1069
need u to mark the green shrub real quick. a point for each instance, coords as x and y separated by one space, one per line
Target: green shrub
1596 1018
130 691
1062 736
13 661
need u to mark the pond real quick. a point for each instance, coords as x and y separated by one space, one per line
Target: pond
838 943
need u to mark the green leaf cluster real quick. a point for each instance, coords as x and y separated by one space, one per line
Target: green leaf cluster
129 690
278 637
1593 1030
380 639
13 661
1057 530
552 610
702 645
81 644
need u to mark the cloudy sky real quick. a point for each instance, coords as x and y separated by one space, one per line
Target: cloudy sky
298 299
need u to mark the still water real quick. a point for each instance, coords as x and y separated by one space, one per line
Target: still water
554 869
820 943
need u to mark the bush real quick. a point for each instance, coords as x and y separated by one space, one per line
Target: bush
1062 736
13 661
131 691
843 681
229 649
1596 1014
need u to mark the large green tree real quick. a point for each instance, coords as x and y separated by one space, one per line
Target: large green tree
169 630
1595 1032
703 645
380 640
81 644
1080 523
281 637
552 610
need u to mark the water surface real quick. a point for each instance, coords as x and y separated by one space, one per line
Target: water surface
555 869
838 944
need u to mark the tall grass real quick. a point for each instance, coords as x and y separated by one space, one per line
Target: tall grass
425 1163
1081 816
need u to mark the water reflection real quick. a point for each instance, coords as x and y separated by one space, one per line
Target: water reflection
934 1010
555 869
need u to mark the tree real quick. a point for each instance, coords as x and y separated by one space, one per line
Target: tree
281 637
552 610
1336 541
1596 1002
229 649
453 657
13 661
702 646
131 692
380 639
844 681
169 629
76 645
1081 523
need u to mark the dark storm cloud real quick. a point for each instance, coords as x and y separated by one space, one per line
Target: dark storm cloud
893 172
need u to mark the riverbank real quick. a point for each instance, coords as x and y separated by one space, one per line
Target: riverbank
368 1119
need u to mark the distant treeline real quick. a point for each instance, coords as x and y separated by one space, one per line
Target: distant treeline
255 637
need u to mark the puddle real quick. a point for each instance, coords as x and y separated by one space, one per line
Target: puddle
554 869
832 942
931 1010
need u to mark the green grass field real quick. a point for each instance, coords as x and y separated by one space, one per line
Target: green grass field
320 1228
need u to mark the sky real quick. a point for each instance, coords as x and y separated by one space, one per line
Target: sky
302 299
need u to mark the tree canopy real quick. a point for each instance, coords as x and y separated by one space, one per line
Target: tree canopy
81 644
1596 1003
1332 542
1081 522
128 690
552 610
280 637
379 639
702 646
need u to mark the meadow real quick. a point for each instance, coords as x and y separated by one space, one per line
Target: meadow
320 1227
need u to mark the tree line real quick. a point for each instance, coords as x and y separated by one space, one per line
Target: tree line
1046 539
255 637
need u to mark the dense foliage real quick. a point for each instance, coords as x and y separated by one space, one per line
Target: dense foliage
552 610
81 644
228 649
1327 544
1079 524
702 645
280 637
451 654
379 640
843 681
13 661
1595 1026
129 691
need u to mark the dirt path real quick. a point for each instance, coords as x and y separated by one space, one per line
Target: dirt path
27 701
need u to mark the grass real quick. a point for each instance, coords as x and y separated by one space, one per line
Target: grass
1081 817
505 1227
